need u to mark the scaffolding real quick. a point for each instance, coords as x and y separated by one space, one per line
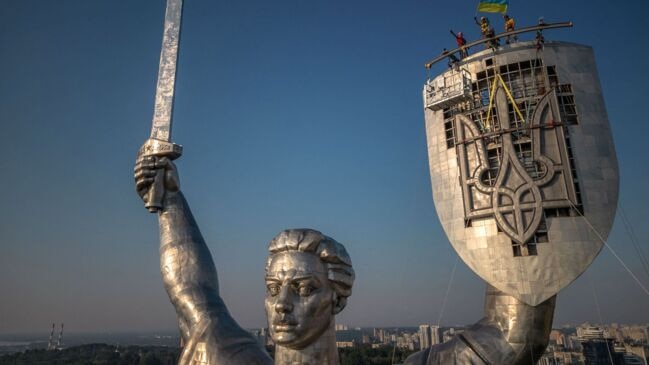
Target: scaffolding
451 88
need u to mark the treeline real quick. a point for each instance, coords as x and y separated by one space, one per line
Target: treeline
96 354
366 355
102 354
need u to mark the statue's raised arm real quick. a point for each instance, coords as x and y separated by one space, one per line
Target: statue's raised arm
209 334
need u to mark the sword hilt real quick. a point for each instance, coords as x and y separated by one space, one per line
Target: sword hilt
153 200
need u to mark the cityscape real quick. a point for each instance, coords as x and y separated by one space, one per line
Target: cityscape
587 343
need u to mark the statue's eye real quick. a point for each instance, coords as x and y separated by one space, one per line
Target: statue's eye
273 289
305 290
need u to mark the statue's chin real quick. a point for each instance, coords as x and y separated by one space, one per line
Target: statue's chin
293 340
289 340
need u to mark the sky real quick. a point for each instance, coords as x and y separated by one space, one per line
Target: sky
292 114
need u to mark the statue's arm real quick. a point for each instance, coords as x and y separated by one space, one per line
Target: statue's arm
188 272
510 333
186 264
189 276
526 328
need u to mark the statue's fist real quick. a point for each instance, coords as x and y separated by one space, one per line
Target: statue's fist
147 170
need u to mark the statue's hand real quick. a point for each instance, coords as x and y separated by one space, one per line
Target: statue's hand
146 168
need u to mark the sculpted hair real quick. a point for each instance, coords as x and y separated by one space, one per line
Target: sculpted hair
339 266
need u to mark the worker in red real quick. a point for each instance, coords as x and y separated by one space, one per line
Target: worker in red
461 42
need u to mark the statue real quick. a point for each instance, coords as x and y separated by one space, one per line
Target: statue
523 198
525 218
511 332
209 335
308 278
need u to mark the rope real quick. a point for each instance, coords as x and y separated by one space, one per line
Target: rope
450 280
599 315
610 249
634 240
448 289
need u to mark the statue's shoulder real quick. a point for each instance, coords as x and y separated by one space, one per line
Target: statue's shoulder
454 351
218 339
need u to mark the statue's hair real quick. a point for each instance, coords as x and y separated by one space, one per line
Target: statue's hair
339 266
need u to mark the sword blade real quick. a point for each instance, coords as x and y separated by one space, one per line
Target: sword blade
164 95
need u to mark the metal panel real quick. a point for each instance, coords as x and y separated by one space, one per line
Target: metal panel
577 171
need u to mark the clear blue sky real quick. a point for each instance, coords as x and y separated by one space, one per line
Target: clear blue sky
292 114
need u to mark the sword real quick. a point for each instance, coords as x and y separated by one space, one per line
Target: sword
159 144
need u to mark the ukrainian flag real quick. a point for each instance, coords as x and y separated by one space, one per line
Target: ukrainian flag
493 6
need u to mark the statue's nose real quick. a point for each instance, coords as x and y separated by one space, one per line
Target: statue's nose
283 307
284 304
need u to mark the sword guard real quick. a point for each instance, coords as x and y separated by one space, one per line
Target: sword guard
159 148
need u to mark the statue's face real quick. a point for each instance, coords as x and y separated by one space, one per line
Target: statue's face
299 299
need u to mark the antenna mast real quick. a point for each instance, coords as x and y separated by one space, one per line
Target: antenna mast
58 343
49 343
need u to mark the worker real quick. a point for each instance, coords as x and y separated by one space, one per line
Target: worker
461 43
539 35
509 27
452 59
487 32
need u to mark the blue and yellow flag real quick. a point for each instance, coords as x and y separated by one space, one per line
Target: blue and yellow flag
493 6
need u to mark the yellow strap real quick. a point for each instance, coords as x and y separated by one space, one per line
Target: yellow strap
511 98
491 99
498 79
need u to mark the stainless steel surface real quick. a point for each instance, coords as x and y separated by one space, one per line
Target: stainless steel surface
209 334
510 333
164 95
508 212
309 277
159 143
510 190
499 36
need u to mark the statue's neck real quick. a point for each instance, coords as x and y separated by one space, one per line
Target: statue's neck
321 352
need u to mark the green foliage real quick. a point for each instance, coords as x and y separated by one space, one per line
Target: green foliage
366 355
102 354
96 354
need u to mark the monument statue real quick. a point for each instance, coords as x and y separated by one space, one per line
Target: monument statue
511 332
521 219
209 334
309 277
525 183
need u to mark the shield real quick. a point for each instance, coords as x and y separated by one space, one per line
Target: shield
521 170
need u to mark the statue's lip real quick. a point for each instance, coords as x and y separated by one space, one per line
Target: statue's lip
284 326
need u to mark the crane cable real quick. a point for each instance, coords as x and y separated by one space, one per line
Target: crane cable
599 315
634 240
610 249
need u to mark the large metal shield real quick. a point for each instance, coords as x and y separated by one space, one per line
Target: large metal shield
522 165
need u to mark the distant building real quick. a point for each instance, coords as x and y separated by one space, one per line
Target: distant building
424 337
598 348
342 344
435 335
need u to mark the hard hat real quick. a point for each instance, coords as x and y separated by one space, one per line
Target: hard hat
459 34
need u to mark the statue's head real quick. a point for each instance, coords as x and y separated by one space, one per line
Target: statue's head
308 279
